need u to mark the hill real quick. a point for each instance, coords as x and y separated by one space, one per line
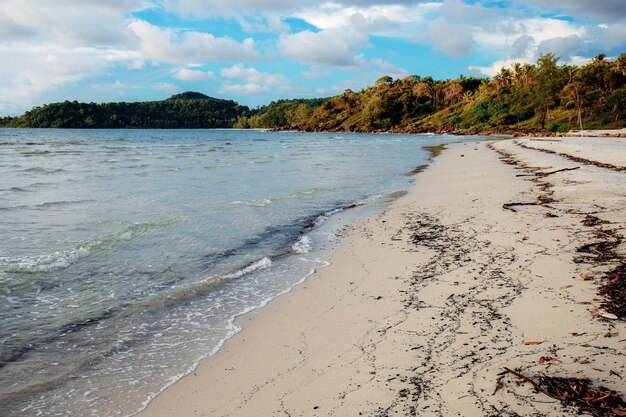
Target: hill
524 98
186 110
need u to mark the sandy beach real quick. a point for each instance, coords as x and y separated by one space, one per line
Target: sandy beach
494 259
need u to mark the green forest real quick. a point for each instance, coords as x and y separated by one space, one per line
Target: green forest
541 97
186 110
537 97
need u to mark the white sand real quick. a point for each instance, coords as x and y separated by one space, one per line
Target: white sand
425 304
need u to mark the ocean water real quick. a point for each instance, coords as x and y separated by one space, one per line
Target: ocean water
126 255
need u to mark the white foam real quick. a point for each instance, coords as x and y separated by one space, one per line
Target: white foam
51 262
257 266
302 246
256 203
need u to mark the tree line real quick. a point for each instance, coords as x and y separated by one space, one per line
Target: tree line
186 110
522 97
544 96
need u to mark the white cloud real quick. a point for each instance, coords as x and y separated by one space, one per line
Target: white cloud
394 20
332 47
33 69
67 22
562 46
166 45
255 81
233 8
611 36
603 9
230 8
193 75
249 88
453 39
167 87
28 72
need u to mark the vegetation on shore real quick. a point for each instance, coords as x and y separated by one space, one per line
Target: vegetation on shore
186 110
525 98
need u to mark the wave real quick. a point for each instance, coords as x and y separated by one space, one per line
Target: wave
63 259
257 203
63 203
44 170
259 265
35 153
302 246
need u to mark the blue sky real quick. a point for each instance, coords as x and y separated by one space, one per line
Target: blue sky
256 51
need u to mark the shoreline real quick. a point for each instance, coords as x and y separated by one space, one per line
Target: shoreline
424 304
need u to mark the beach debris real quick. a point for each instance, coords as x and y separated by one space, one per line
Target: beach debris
614 290
527 379
549 360
566 286
603 314
545 174
591 221
597 401
574 158
602 251
528 342
509 206
611 334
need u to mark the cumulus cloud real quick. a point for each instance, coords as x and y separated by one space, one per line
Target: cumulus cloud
565 46
332 47
166 45
67 22
522 45
392 20
231 8
453 39
610 10
254 81
193 75
33 69
28 72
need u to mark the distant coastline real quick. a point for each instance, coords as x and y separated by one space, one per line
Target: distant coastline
542 99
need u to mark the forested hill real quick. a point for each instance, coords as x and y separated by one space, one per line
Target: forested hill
186 110
524 98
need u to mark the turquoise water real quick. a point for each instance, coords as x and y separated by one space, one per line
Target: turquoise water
126 254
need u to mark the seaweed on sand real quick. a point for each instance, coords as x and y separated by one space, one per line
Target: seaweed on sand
578 392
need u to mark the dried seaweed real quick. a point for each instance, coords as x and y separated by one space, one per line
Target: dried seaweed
578 392
597 401
591 221
575 158
614 291
601 251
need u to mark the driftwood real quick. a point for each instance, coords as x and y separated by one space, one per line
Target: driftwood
509 206
527 379
545 174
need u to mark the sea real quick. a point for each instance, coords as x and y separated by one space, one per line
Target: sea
126 256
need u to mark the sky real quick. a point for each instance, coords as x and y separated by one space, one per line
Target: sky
256 51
